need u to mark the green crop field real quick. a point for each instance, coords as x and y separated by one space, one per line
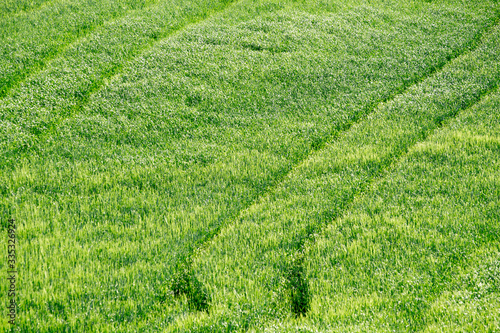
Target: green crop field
250 165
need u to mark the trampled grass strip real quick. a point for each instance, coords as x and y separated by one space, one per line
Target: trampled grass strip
420 250
323 187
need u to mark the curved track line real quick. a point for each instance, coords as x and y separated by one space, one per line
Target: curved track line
403 153
471 47
62 48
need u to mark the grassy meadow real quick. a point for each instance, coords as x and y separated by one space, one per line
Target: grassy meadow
251 165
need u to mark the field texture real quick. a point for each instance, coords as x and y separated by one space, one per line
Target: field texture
251 165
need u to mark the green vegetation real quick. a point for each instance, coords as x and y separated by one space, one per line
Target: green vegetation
210 165
63 88
29 40
103 31
10 7
420 249
184 282
279 226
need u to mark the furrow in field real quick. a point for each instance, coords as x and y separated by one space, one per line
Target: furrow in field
420 249
31 41
246 264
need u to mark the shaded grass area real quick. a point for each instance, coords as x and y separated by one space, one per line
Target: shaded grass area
247 265
185 283
121 171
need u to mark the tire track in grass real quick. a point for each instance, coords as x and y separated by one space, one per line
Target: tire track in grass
90 109
396 163
346 127
359 244
441 123
185 281
436 121
45 62
38 132
119 68
297 268
297 262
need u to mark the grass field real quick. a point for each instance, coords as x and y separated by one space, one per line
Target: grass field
251 165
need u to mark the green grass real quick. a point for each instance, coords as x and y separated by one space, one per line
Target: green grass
419 251
321 188
11 7
31 41
44 99
169 164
